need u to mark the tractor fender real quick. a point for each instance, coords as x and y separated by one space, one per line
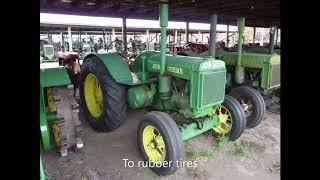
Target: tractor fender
116 66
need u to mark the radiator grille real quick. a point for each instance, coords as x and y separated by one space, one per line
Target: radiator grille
49 51
213 87
275 78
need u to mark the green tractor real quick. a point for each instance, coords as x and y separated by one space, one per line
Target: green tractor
252 78
85 50
42 175
260 50
254 68
59 122
260 71
185 95
47 53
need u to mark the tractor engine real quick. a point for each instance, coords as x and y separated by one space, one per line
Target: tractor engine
193 85
263 70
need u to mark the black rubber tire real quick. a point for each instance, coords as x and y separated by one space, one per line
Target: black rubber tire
172 138
259 106
114 97
238 116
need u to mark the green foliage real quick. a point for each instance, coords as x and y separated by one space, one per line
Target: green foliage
275 167
223 141
241 149
211 152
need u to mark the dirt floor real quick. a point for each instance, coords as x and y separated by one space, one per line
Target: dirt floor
256 155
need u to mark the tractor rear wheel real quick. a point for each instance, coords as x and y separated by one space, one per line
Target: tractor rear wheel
102 98
232 120
160 141
252 103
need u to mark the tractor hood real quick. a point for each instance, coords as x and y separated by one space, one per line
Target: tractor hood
251 60
179 66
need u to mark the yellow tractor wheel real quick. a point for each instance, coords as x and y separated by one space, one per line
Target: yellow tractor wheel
231 117
160 142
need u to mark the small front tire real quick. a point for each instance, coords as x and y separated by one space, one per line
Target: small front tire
160 140
232 120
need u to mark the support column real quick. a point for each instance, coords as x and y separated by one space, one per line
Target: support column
271 42
254 35
103 39
113 35
199 34
110 36
134 35
180 36
202 38
124 30
277 35
147 35
80 40
49 37
262 37
175 36
70 39
187 31
156 37
62 42
213 30
227 39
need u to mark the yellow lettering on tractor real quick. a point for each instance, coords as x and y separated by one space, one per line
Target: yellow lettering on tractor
156 66
175 70
249 63
169 69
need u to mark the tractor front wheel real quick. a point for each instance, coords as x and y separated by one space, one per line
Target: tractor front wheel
232 120
252 103
160 142
103 99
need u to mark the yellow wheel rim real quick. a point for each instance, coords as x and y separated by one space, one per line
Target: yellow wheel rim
225 120
153 144
55 127
93 95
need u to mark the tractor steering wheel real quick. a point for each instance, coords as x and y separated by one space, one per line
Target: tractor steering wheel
124 52
124 45
185 46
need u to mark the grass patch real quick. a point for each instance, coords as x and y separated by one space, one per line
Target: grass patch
223 141
275 167
241 149
198 154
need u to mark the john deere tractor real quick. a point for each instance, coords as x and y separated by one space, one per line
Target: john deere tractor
252 78
59 122
257 70
185 96
47 52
